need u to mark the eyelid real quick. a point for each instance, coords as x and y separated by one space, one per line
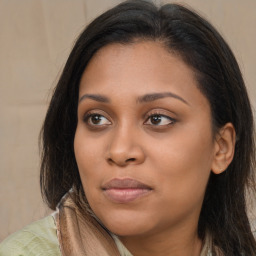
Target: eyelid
162 113
90 113
95 112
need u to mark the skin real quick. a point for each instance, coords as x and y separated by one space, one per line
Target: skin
174 156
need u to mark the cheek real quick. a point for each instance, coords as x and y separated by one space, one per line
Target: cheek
88 157
184 165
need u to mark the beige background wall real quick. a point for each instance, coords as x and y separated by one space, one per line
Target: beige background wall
35 39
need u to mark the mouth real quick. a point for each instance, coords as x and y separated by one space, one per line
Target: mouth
125 190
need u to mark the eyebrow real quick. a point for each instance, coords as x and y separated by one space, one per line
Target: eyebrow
96 97
142 99
155 96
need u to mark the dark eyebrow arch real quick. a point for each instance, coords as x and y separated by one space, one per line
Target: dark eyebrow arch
155 96
142 99
96 97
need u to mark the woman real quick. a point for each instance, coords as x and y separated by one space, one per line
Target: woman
147 145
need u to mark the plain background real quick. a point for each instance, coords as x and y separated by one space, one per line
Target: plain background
36 37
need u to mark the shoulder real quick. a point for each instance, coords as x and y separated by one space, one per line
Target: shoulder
38 238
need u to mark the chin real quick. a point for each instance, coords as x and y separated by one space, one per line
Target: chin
126 230
127 224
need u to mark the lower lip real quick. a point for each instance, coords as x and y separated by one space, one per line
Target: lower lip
126 195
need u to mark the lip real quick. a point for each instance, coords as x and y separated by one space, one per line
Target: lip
125 190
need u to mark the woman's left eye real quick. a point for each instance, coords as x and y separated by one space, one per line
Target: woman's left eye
159 120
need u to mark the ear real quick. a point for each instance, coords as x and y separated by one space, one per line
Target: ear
224 148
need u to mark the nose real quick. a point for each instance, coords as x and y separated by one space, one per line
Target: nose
124 148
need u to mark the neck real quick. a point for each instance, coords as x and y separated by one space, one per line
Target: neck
180 242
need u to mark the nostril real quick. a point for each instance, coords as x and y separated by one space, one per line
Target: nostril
110 160
130 160
121 162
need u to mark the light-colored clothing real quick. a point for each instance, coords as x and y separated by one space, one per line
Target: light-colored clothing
40 239
37 239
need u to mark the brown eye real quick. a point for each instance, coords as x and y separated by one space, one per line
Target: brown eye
96 119
156 119
159 120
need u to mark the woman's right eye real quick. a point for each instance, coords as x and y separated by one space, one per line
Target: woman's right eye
96 120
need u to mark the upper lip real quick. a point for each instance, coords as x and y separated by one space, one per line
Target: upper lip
125 183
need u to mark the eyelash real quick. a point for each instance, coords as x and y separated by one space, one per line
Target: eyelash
89 115
158 114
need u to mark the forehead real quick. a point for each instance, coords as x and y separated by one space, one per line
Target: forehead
149 59
139 68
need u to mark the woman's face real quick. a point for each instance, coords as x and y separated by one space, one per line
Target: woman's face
143 144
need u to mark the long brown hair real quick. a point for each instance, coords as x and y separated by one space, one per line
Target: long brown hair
196 41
